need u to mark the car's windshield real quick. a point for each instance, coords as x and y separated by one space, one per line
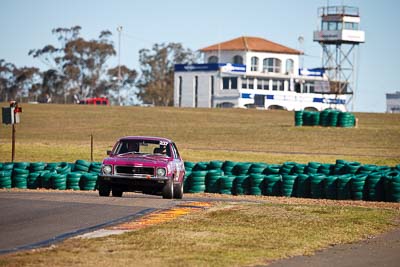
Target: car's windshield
142 147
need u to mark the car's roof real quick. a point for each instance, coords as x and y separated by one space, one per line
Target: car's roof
150 138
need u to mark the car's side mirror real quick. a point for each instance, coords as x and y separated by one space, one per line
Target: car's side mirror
108 152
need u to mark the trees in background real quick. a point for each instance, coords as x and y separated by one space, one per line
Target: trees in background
77 69
156 83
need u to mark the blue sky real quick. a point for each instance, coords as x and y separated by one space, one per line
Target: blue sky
27 24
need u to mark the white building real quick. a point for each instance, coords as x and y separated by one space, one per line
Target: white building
253 72
393 102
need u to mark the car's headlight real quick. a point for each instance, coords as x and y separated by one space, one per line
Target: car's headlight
107 169
161 172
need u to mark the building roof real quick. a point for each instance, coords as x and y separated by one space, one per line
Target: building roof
256 44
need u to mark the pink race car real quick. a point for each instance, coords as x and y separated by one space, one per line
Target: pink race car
151 165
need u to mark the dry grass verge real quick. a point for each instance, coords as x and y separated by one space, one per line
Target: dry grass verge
229 234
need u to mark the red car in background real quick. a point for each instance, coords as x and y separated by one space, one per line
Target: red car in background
151 165
95 101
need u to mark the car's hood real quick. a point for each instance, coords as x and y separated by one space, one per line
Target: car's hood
137 160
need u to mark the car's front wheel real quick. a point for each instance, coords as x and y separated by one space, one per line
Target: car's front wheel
104 189
178 191
168 190
117 192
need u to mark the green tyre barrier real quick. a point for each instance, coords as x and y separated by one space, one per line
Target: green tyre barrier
298 118
45 177
20 181
272 169
63 168
212 180
201 166
241 168
199 173
256 184
5 182
288 182
88 182
299 168
17 171
390 185
358 188
366 169
52 166
33 180
189 164
215 164
21 165
73 179
58 181
317 186
226 184
239 186
303 186
374 186
37 166
330 187
344 187
272 185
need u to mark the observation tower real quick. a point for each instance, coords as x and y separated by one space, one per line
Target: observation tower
339 35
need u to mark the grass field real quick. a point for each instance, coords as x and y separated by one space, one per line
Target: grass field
62 133
229 234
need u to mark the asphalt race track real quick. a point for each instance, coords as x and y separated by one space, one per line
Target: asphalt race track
32 219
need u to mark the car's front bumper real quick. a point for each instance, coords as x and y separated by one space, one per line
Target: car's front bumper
111 177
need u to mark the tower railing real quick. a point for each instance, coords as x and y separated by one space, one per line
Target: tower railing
338 10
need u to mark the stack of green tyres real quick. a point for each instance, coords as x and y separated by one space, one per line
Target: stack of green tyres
313 167
288 182
58 181
45 179
317 185
346 120
88 181
325 118
241 185
34 180
333 118
63 168
303 186
257 168
227 167
212 180
272 185
188 167
344 186
358 188
326 169
272 169
95 167
256 183
330 187
374 186
241 168
73 180
287 168
226 184
196 182
5 179
20 175
392 186
82 165
298 118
